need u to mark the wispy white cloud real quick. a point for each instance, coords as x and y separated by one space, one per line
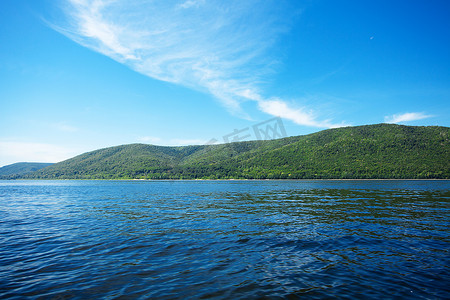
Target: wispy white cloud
13 151
300 116
406 117
218 47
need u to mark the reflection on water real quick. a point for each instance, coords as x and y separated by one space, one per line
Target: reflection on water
224 239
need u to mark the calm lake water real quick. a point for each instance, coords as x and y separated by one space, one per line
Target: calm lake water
224 239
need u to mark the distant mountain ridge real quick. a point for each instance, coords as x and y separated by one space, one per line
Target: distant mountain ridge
370 151
21 168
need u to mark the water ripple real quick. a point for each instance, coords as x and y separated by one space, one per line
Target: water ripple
223 239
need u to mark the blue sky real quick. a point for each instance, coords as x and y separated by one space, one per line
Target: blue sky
80 75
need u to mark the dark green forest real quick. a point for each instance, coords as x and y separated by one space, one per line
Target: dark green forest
383 151
21 168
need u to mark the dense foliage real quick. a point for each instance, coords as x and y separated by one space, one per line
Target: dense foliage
18 169
372 151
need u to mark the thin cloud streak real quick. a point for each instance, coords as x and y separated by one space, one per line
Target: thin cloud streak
220 48
299 116
406 117
13 151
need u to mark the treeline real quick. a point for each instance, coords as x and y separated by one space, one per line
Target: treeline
17 170
364 152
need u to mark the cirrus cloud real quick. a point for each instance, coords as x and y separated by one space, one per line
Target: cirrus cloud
406 117
218 47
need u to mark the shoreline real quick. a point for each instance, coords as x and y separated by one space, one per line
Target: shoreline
303 179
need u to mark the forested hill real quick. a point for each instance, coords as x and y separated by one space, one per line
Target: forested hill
372 151
21 168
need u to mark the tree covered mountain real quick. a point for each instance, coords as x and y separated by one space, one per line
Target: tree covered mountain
21 168
371 151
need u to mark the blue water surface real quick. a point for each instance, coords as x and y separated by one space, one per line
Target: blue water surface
224 239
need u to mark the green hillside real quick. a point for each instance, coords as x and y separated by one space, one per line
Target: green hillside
18 169
372 151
